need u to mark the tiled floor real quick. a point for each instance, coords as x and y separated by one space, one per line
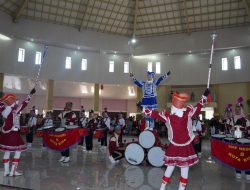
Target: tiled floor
42 171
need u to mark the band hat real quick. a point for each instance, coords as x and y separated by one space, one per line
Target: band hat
9 99
179 99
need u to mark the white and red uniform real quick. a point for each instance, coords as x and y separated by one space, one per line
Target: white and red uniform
10 139
180 134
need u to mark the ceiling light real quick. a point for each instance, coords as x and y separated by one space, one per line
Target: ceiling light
78 47
189 51
133 40
3 37
31 39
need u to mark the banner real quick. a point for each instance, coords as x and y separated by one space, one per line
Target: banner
233 155
61 140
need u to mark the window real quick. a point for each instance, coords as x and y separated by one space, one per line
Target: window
21 55
84 64
237 62
224 64
158 68
126 67
111 66
38 58
150 66
68 63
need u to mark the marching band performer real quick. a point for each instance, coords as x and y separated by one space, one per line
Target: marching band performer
31 126
83 121
149 100
68 117
240 119
105 125
121 122
92 124
115 151
10 138
180 152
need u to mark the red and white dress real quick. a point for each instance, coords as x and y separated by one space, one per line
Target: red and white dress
10 138
180 152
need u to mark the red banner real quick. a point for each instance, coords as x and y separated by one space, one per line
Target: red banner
233 155
61 140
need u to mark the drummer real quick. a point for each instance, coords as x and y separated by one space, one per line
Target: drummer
48 122
83 121
240 118
105 125
91 125
31 126
68 117
116 152
199 131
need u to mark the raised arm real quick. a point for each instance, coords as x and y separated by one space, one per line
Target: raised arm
137 82
26 101
162 116
161 78
194 111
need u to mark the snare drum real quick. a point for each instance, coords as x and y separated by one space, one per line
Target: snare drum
243 141
229 139
98 133
24 129
39 132
84 132
218 136
156 156
47 127
60 129
72 126
134 154
147 139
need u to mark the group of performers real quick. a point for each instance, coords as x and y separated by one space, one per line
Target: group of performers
181 123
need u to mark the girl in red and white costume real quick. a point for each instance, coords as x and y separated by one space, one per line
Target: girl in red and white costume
10 138
179 123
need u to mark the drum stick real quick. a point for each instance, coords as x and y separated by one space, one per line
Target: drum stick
214 35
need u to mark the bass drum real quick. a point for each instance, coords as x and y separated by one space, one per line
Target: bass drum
134 154
134 176
72 126
98 133
147 139
156 156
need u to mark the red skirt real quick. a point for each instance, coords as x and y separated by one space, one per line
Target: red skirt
12 141
181 156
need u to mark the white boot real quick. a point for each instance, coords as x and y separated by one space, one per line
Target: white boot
61 159
6 167
182 186
112 160
66 160
238 175
247 177
13 171
163 186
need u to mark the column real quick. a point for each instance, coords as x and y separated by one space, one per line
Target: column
138 94
162 96
1 83
96 97
49 96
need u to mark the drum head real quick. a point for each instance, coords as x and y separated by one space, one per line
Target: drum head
60 129
229 139
134 154
155 177
156 156
147 139
219 136
72 126
244 141
134 176
40 129
47 127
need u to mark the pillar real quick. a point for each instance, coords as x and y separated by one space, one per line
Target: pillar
49 96
96 97
248 98
162 96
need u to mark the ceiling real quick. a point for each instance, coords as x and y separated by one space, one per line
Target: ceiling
139 17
